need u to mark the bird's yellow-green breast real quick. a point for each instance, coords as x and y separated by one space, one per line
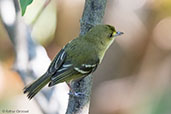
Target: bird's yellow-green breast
92 45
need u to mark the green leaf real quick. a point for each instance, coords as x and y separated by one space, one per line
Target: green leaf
24 4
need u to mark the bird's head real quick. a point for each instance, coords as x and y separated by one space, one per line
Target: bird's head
102 35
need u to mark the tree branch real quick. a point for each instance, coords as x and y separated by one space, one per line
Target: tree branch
92 15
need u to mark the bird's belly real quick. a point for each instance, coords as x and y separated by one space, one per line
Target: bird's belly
101 56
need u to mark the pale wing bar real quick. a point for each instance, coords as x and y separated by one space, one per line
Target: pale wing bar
57 62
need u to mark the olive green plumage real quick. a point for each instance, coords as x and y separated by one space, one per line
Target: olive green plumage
77 59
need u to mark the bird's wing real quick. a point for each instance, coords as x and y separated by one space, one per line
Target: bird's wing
57 62
67 70
86 69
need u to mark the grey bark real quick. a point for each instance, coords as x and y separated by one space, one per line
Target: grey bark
92 15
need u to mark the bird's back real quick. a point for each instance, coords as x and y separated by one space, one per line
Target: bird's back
84 53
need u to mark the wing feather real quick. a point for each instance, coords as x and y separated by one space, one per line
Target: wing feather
87 68
57 62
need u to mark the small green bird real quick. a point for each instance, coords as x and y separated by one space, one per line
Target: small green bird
77 59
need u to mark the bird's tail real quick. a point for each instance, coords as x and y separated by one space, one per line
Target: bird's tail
36 86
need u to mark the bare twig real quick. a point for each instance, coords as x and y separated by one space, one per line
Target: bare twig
92 15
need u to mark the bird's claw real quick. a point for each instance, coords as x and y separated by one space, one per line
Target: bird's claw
76 94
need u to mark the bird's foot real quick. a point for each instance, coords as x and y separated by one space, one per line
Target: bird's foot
76 94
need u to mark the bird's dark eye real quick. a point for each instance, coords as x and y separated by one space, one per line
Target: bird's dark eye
111 35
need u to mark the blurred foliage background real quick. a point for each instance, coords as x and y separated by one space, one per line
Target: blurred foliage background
134 77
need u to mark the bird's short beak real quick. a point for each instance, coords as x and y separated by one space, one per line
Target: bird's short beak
118 33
